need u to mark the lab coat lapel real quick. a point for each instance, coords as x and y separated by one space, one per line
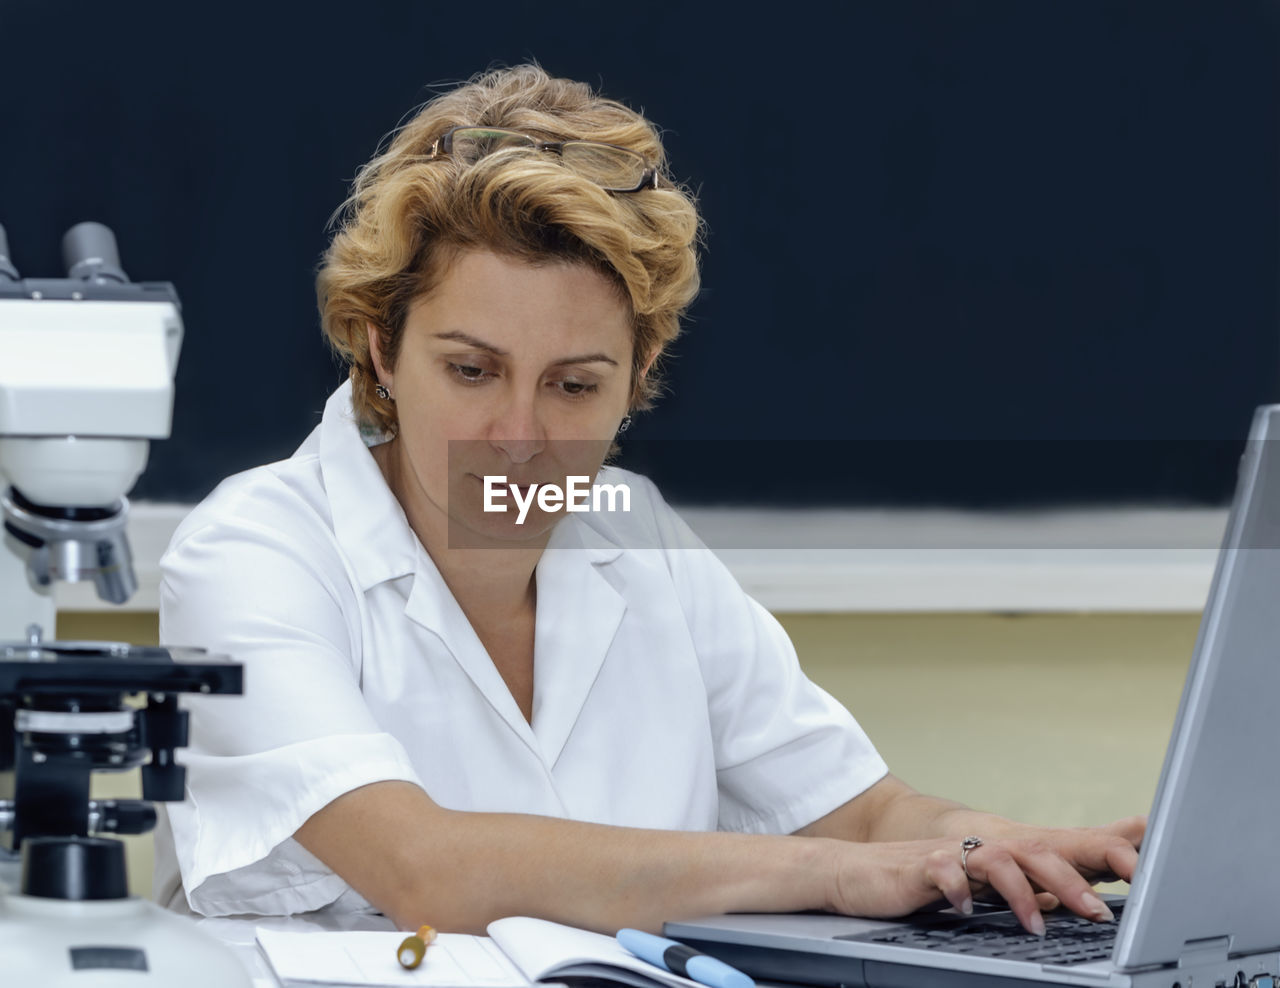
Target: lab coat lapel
432 605
578 615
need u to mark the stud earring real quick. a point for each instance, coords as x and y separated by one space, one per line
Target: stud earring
381 391
625 424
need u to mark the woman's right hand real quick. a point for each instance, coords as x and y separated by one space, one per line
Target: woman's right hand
883 880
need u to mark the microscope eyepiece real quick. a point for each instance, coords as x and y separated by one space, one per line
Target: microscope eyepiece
90 253
7 271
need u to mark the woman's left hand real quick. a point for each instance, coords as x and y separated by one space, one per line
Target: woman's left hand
1037 868
1032 868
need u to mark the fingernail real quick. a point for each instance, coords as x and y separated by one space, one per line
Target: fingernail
1097 908
966 907
1037 924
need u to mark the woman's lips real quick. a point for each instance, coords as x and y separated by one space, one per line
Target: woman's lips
522 485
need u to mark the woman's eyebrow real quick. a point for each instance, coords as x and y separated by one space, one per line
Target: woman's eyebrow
587 358
457 336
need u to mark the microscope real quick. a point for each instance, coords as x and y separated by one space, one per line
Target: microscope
86 381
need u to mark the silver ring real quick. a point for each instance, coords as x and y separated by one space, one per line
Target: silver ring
967 845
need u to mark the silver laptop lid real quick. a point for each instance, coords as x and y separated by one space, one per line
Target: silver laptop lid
1209 870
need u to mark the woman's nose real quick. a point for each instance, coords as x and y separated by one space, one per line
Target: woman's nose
517 430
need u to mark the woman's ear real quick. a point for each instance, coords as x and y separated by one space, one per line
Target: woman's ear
375 354
653 355
636 389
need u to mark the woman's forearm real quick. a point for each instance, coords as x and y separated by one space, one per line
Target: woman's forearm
892 811
420 863
916 816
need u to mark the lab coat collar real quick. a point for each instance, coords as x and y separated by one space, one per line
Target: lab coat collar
368 521
578 611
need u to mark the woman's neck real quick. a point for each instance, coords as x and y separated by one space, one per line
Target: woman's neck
490 582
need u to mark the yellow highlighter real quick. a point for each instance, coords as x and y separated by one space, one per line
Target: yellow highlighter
414 948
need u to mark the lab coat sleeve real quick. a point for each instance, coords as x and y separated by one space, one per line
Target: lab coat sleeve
786 752
272 594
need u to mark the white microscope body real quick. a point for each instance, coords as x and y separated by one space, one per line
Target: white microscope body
86 381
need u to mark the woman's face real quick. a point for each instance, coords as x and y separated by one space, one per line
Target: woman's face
506 370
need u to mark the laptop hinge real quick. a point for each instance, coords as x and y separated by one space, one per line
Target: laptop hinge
1210 950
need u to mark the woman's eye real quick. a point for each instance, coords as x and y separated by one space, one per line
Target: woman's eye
468 372
576 389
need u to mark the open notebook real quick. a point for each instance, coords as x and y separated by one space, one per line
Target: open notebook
517 952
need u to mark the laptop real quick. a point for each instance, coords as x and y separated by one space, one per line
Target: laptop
1204 907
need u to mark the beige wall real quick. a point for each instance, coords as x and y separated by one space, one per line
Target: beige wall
1048 718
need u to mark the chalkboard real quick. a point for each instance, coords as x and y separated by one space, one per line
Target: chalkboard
968 253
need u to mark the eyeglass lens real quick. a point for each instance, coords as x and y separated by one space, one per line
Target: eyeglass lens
604 165
607 166
474 143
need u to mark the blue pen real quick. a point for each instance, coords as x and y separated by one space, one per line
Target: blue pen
679 959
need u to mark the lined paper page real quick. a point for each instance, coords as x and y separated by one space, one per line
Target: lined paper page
454 960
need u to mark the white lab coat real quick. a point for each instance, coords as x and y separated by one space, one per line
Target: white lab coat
663 695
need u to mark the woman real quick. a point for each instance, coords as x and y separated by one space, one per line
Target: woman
454 714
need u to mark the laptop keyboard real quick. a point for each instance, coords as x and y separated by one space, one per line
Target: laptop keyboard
1069 939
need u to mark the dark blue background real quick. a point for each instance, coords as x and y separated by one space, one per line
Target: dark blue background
1040 235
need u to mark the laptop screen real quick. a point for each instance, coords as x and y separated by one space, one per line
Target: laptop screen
1209 869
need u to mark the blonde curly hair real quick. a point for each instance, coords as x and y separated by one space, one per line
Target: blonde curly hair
409 216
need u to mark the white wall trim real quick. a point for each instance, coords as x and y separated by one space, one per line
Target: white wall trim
854 560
